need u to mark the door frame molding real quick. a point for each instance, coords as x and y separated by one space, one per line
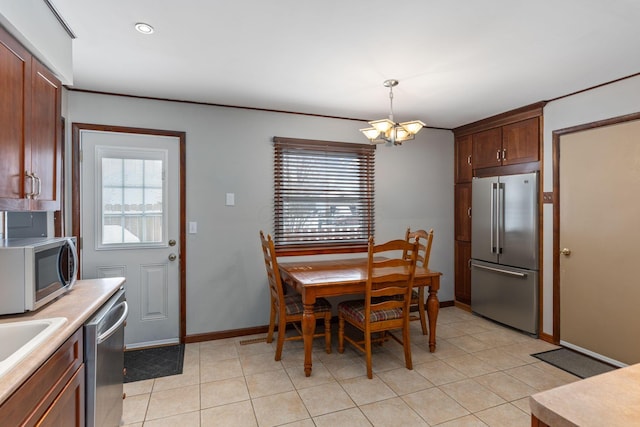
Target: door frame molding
557 134
75 196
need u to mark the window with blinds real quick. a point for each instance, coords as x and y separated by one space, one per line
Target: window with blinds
324 195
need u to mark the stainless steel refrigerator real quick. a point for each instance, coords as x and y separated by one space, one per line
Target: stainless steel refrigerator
504 250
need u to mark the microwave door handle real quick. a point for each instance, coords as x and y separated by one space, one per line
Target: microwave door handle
74 253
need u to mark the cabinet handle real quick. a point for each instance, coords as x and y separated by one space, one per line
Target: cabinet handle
31 194
39 185
469 212
498 155
469 159
504 154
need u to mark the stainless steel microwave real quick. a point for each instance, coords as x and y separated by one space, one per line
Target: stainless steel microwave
35 271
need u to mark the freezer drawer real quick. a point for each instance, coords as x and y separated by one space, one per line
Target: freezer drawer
505 294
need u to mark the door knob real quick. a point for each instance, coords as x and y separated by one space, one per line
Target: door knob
172 242
172 257
565 251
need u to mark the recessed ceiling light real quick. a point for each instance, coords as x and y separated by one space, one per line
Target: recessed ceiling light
144 28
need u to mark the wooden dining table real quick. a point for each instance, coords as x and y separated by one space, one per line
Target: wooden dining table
331 278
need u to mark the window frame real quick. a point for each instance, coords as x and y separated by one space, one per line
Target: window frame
126 153
284 148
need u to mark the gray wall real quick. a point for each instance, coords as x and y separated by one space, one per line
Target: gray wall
229 150
613 100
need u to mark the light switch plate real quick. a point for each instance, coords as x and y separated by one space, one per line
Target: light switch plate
193 227
231 199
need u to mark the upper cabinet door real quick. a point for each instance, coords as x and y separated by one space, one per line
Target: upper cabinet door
46 138
464 157
520 142
487 148
15 87
30 131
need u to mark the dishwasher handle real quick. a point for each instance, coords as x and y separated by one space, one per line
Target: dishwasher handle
105 336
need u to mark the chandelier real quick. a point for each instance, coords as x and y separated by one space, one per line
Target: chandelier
387 130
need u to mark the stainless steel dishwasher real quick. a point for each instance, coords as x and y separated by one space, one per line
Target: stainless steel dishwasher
104 362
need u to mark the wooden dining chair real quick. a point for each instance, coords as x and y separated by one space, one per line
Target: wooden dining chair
424 239
385 306
288 308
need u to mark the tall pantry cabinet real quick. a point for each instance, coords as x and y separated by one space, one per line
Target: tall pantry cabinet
462 222
504 144
30 130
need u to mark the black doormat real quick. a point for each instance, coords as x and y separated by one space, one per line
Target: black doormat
575 363
153 362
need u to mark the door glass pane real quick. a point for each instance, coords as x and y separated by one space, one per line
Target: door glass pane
132 198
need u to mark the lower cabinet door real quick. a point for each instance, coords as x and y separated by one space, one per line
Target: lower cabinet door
462 272
68 408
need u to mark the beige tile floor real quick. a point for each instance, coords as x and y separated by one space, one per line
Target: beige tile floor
480 375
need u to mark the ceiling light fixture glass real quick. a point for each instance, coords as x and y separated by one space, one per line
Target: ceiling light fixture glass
144 28
387 130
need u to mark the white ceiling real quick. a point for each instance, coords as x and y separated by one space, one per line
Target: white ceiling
457 61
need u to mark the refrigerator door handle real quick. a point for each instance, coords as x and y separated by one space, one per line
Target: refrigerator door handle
499 217
499 270
492 223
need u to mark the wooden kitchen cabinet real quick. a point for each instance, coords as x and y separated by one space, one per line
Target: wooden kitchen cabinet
510 144
521 142
15 90
30 130
487 148
68 408
462 222
462 255
463 155
54 394
46 137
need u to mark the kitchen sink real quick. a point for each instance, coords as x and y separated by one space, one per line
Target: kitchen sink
21 338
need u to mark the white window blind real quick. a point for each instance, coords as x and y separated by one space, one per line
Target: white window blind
324 193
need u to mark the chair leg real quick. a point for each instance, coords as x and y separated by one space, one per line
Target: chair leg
367 348
272 321
421 311
340 334
406 344
282 327
327 332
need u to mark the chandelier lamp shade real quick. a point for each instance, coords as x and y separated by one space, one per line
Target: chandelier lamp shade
387 130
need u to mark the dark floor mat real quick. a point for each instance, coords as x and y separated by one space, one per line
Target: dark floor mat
573 362
154 362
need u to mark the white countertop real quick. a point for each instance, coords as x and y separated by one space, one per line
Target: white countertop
77 306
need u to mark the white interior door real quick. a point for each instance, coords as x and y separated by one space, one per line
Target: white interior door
599 228
130 225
